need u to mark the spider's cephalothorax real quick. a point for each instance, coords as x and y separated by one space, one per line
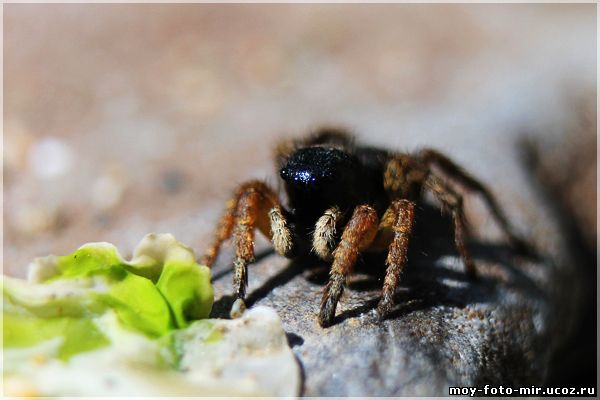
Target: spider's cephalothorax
318 177
344 199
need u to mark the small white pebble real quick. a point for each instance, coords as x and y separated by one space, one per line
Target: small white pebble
49 158
108 189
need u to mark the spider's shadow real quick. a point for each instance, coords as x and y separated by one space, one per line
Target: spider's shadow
424 282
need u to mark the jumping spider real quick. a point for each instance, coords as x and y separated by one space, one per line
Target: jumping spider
333 183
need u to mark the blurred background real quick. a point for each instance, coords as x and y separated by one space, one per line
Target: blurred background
125 119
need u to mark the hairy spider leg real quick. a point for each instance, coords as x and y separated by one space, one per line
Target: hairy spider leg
399 218
281 236
358 235
453 201
254 205
258 207
223 232
324 236
454 171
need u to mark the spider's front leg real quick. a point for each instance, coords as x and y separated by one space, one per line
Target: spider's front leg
358 235
324 237
254 205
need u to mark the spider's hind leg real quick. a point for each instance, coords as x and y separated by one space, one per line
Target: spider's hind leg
454 171
453 201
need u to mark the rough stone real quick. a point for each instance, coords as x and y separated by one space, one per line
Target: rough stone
446 330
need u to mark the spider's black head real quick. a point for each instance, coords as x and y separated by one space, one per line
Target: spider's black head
313 166
319 177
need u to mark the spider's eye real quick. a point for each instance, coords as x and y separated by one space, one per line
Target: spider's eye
284 173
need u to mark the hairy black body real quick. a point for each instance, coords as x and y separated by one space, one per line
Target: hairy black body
344 198
318 178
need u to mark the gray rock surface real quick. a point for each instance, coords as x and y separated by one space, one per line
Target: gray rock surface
446 330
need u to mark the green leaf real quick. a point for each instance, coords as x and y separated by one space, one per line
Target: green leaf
187 301
160 289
